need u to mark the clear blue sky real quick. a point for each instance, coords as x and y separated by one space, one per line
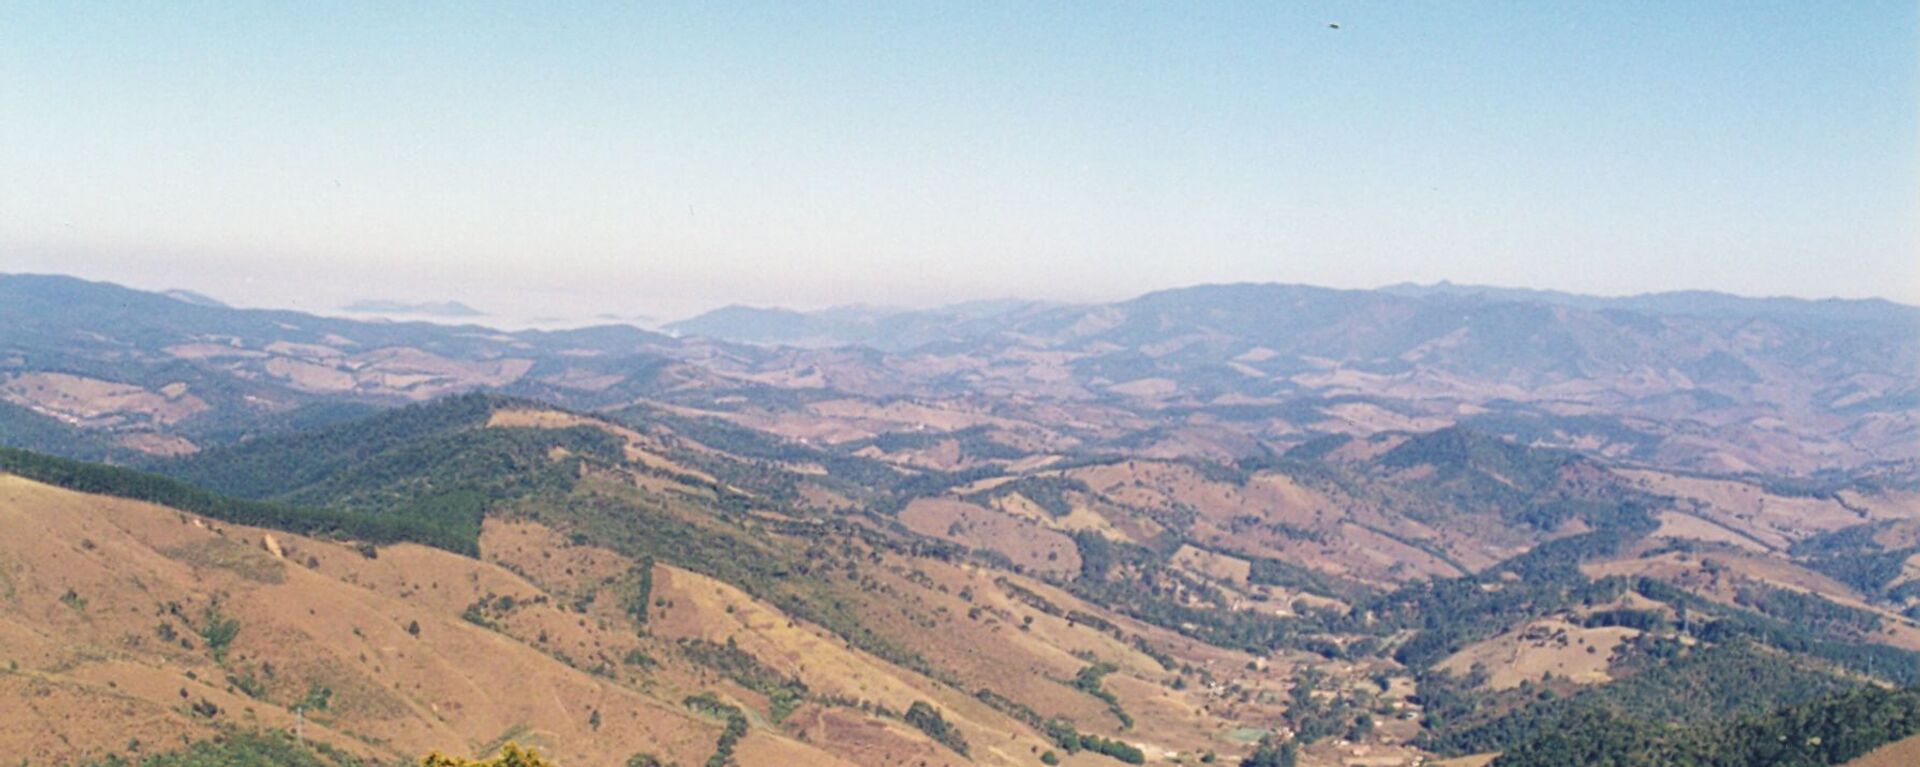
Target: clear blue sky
667 158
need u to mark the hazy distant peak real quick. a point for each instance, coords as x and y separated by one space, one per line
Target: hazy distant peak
197 299
994 307
748 323
886 328
1704 303
425 308
740 312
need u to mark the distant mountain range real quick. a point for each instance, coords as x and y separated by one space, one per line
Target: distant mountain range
901 329
191 297
889 329
1710 380
446 309
1702 381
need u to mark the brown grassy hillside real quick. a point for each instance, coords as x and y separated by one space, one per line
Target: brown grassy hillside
107 606
1902 753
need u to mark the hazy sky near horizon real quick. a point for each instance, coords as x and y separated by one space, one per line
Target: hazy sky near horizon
659 159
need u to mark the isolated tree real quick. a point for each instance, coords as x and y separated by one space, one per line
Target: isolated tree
1271 754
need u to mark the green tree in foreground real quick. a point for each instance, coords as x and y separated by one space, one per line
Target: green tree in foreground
511 755
271 748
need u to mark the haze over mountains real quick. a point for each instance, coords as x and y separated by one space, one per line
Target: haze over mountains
1276 523
892 329
439 309
1705 382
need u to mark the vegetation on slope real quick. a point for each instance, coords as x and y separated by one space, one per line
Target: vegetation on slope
1826 731
1063 734
397 457
736 728
28 430
927 719
429 527
1699 687
511 755
433 467
784 693
244 749
285 464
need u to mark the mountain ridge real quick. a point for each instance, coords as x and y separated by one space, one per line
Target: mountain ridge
1226 371
749 323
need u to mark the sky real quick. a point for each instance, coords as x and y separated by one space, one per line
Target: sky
652 160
